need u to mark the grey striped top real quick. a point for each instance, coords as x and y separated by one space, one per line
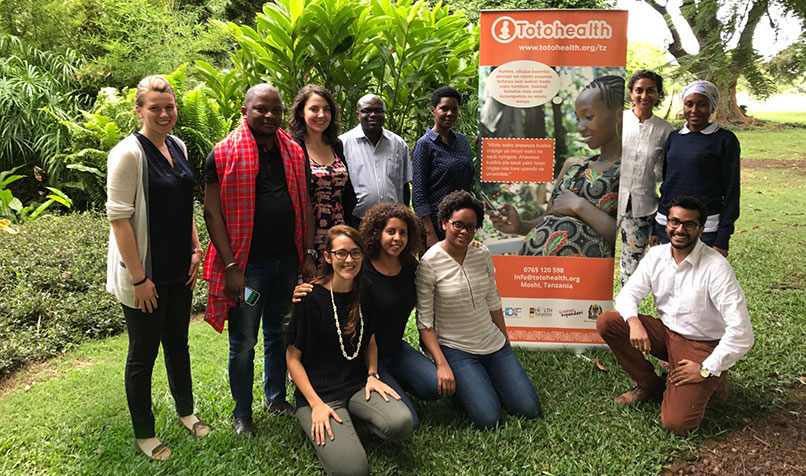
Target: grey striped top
455 300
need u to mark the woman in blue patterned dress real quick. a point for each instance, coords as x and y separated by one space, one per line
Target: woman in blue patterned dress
581 215
314 124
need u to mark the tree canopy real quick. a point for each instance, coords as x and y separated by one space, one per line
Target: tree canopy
724 32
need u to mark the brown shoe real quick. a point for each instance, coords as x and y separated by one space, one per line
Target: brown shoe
640 394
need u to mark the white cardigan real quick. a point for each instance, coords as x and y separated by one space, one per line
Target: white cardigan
127 197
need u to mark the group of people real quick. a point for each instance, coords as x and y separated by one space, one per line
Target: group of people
331 212
704 326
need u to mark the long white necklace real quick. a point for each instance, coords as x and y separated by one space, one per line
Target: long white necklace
338 327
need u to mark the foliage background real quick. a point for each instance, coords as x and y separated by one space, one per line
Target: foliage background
53 287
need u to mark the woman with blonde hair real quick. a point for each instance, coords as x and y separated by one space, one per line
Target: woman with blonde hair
153 261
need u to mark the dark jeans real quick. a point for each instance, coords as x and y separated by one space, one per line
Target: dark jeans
274 280
167 324
484 382
410 371
707 238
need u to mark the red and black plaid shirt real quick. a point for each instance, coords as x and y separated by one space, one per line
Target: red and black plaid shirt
237 165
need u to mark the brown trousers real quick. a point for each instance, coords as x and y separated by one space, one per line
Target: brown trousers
683 406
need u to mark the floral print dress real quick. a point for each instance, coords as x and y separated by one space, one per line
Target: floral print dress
327 189
571 236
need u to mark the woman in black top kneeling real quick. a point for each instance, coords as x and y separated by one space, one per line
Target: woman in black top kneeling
333 358
393 236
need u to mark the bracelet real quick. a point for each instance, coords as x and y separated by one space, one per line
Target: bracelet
227 267
145 278
198 250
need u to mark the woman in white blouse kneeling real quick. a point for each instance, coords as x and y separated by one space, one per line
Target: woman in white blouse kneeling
461 322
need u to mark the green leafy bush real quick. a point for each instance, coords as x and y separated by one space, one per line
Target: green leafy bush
123 40
394 48
53 287
34 85
82 166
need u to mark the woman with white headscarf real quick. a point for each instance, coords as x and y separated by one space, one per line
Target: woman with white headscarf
702 160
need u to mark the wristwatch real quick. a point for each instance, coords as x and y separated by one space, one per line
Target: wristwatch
312 253
704 373
374 374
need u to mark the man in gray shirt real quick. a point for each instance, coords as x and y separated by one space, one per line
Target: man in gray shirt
378 159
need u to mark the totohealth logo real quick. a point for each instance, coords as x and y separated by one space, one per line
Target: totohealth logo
505 29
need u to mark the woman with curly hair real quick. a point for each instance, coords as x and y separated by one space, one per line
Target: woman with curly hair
461 321
314 124
393 235
332 356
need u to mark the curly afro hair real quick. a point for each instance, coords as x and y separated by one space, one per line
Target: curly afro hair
459 200
374 222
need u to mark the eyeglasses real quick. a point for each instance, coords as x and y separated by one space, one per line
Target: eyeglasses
341 255
459 226
368 111
688 225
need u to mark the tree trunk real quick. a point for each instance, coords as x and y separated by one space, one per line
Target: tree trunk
701 17
728 111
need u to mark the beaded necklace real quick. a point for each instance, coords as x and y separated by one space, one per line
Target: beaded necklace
338 327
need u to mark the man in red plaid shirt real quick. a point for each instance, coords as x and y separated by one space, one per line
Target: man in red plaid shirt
258 213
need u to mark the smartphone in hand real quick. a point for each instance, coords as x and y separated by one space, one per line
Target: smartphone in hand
250 295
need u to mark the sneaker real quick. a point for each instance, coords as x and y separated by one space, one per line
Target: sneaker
243 426
640 394
280 407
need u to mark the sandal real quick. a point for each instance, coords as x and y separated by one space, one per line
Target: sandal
199 425
159 453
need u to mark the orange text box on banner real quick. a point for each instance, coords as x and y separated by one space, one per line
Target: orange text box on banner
554 37
557 277
554 335
517 160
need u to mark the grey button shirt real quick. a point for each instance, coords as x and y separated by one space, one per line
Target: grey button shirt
642 154
379 172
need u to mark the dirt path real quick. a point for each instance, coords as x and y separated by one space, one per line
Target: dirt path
770 445
753 164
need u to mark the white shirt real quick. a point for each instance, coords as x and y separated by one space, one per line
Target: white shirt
700 299
379 172
642 154
456 299
710 129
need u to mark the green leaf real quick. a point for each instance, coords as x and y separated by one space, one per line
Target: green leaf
13 178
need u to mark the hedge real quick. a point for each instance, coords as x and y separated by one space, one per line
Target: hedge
53 287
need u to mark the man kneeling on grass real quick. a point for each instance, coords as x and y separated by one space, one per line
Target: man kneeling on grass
704 327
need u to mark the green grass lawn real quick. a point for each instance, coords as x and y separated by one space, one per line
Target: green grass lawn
74 419
773 141
798 117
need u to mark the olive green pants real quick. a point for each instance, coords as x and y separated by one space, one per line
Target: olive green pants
345 455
